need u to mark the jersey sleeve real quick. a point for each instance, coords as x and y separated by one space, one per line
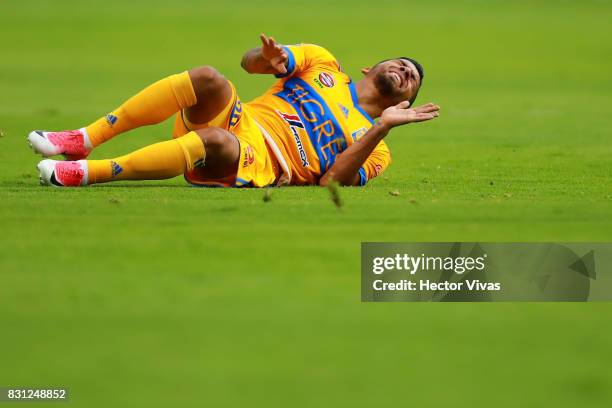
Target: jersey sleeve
376 163
302 57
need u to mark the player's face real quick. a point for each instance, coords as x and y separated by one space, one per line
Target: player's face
397 80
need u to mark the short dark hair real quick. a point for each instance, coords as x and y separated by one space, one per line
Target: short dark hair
419 69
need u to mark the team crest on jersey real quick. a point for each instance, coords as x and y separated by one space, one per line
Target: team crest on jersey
326 79
249 156
111 119
344 110
295 123
358 133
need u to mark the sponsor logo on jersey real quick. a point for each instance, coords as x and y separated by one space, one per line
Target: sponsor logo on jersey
115 169
358 133
344 110
111 119
326 79
249 156
295 123
292 120
324 131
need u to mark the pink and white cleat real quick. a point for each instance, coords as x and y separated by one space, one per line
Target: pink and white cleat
63 173
74 144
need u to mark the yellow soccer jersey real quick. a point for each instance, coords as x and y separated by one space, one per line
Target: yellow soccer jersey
312 115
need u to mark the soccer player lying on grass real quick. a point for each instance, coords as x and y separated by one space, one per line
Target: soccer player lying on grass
313 125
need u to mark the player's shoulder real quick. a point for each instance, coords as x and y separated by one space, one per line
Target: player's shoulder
315 49
317 54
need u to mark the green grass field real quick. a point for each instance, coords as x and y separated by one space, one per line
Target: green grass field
157 294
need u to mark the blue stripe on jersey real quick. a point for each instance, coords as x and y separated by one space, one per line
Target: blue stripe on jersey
356 102
290 63
326 135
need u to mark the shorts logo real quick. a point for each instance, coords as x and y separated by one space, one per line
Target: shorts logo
111 119
358 133
295 123
236 113
199 163
115 169
377 170
249 156
326 79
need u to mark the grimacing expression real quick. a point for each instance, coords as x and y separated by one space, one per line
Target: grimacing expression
397 80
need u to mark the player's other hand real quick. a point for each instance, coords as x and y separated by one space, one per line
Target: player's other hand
273 52
402 114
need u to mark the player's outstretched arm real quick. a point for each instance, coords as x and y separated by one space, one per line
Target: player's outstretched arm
270 58
345 169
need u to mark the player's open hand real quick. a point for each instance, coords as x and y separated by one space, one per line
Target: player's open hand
273 52
402 114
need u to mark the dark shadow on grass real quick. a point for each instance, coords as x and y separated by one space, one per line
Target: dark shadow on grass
105 186
137 185
20 184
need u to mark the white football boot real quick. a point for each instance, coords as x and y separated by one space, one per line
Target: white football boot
74 144
63 173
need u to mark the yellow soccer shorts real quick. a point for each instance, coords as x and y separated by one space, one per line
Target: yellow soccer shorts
257 166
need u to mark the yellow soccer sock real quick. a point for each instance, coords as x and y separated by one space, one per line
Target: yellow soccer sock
153 104
158 161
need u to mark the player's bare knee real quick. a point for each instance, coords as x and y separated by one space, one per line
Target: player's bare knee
222 151
204 73
214 139
206 79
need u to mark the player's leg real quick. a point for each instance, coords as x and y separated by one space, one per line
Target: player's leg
216 150
213 91
151 105
202 88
